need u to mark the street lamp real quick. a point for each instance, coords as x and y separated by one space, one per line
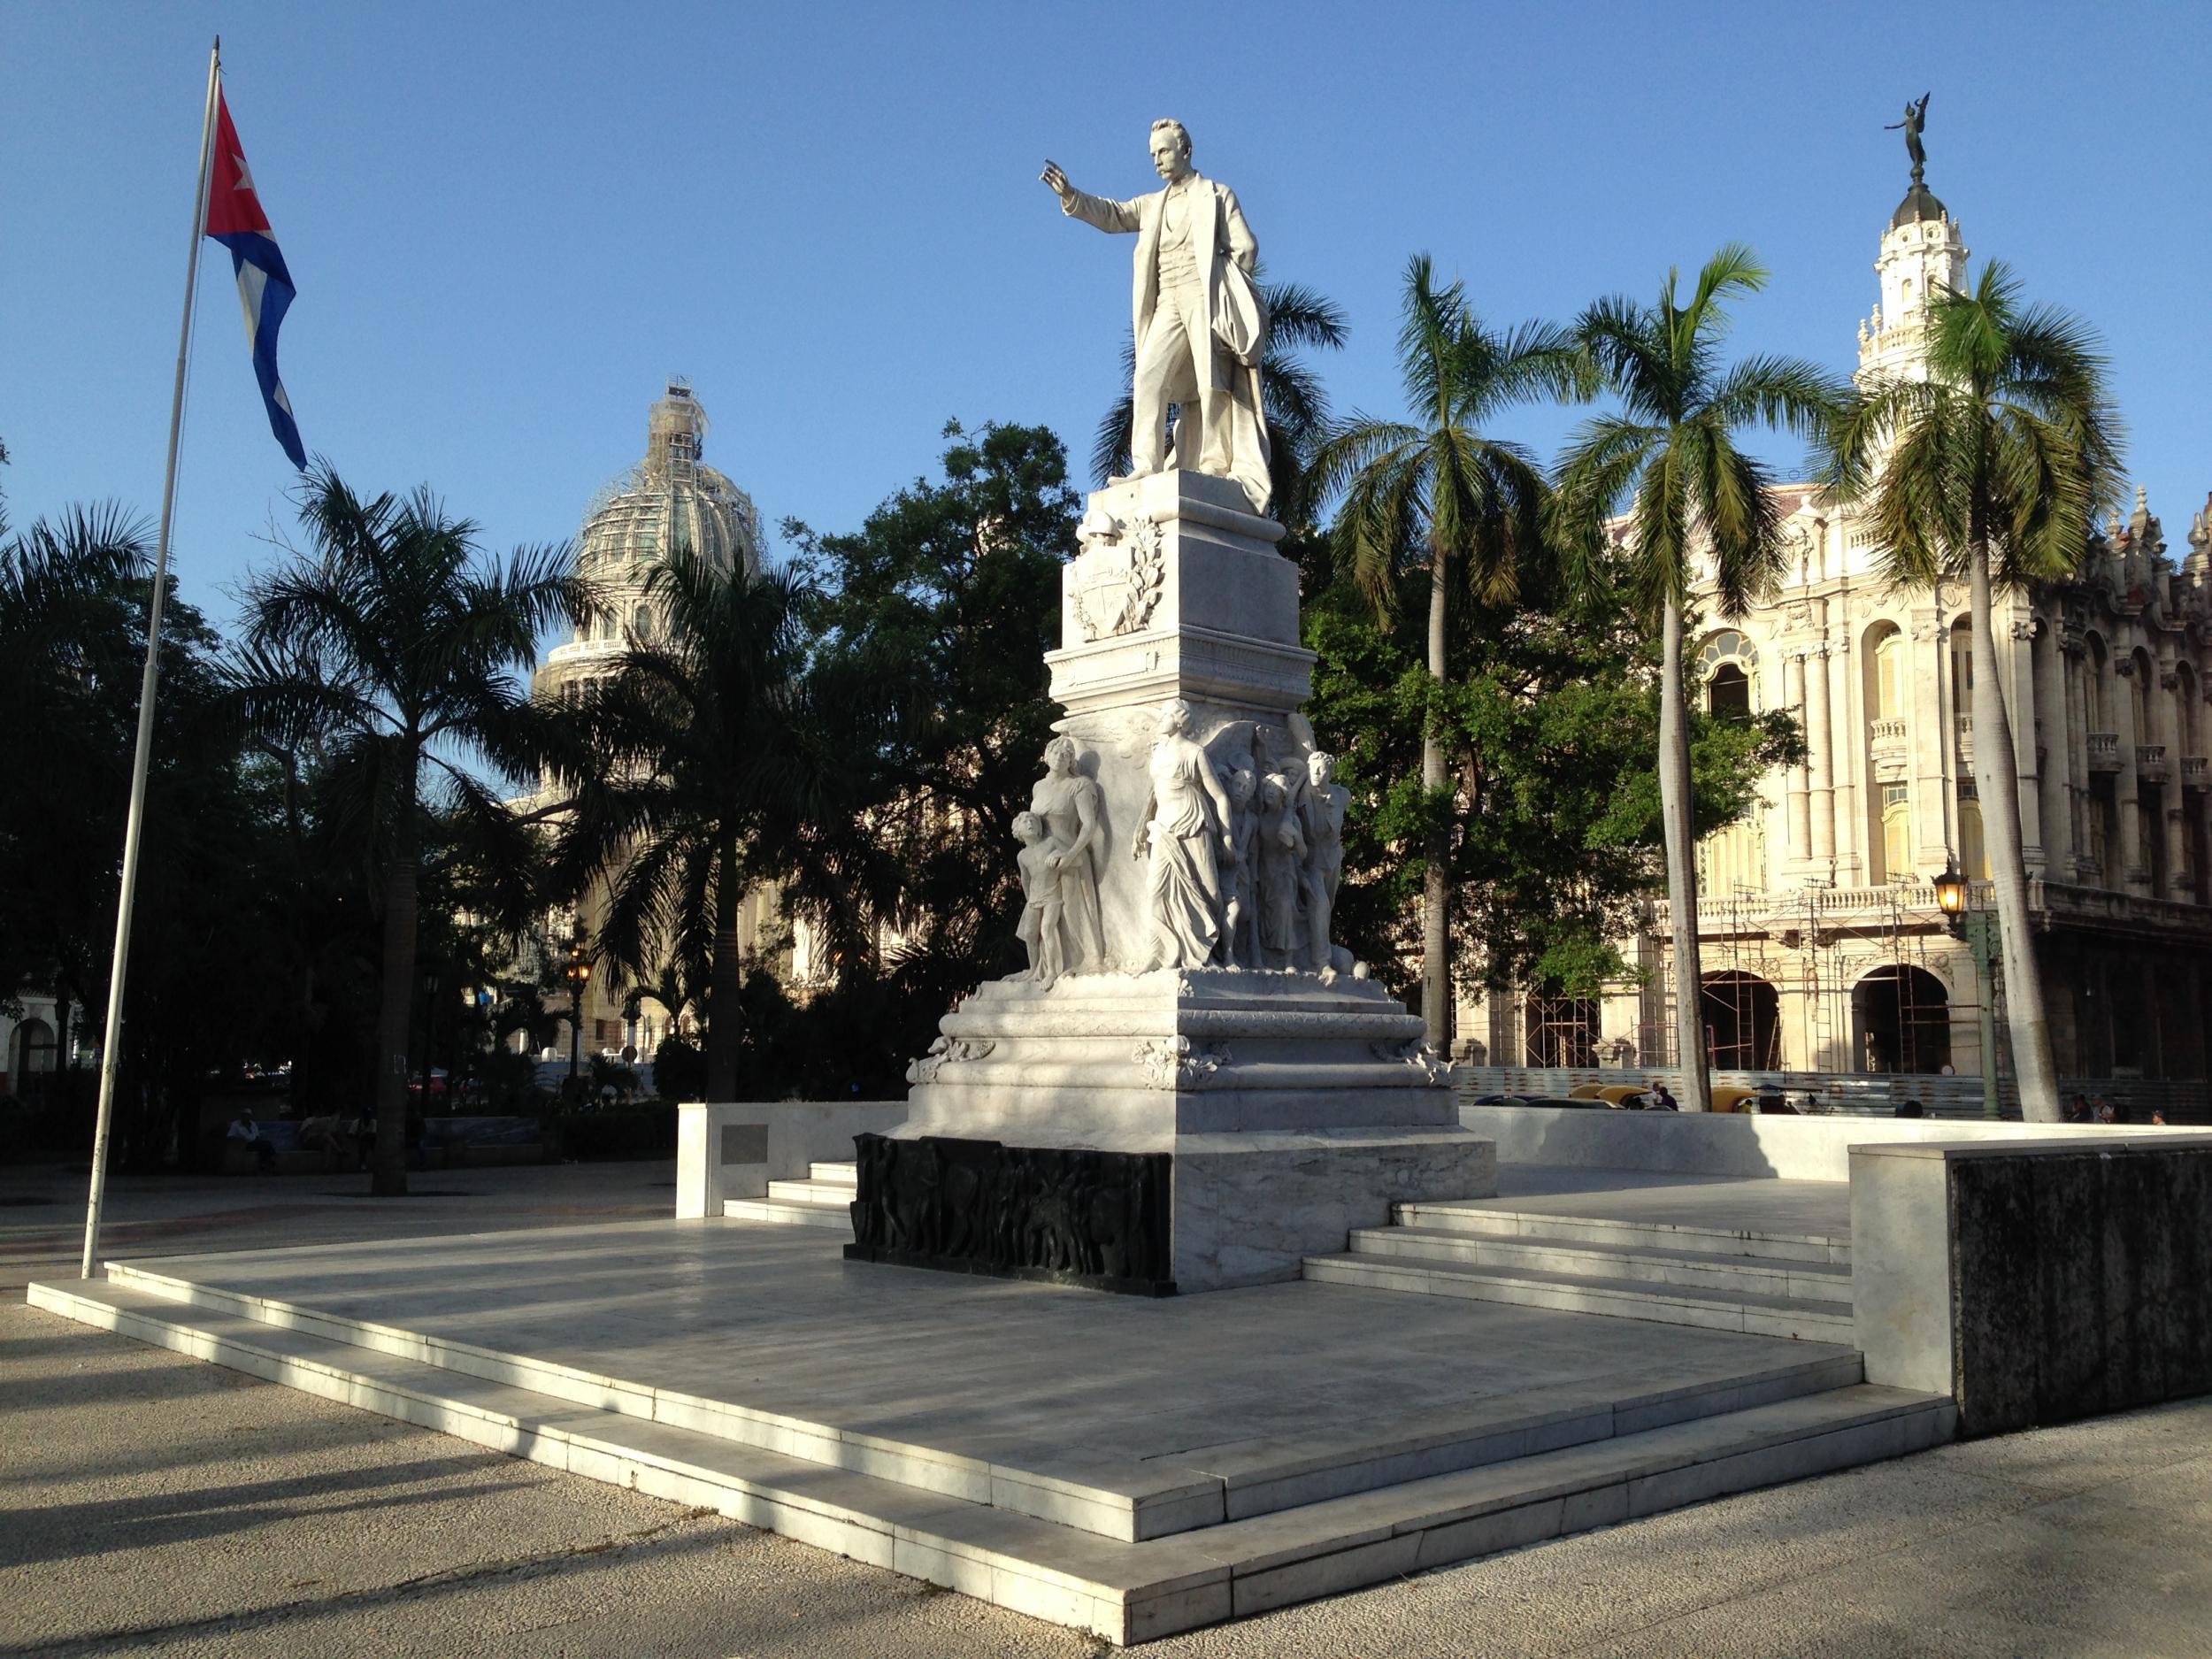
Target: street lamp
1978 928
578 975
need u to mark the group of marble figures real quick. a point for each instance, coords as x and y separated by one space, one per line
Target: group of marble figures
1243 854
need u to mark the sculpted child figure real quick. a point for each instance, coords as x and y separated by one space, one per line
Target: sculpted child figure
1241 945
1040 927
1068 803
1282 849
1324 804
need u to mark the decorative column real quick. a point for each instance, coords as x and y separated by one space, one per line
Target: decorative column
2048 677
2078 670
1820 743
1931 744
2134 862
2165 720
1800 776
2015 645
1848 749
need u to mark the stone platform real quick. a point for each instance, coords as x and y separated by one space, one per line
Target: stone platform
1293 1108
1130 1467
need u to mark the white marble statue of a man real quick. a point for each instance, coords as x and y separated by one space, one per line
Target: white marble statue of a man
1201 324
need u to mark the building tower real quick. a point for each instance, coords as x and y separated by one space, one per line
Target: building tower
670 500
1922 250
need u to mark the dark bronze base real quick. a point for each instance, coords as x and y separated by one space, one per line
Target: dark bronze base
1038 1275
1063 1216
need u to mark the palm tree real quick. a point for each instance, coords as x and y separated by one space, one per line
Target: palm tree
1669 457
1992 469
707 774
1296 408
392 646
1434 491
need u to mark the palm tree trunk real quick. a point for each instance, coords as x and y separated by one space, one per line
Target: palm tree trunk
388 1176
724 980
1676 818
1436 925
1997 780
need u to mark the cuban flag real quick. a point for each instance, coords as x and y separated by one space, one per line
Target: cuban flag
235 219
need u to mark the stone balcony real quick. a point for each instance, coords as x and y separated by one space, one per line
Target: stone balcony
2104 751
1887 742
1786 917
2196 772
1964 725
2150 762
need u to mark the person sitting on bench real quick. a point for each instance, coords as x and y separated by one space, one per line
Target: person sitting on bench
242 1127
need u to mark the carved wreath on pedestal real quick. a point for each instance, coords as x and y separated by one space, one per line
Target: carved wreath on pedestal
1120 576
1177 1061
946 1051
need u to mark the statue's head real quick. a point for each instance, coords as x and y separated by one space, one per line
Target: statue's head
1241 783
1321 767
1175 718
1028 827
1060 755
1273 794
1171 149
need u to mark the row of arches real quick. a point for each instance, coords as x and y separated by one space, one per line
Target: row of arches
1901 1021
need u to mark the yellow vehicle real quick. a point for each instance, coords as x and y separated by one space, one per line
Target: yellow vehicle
1586 1091
1733 1098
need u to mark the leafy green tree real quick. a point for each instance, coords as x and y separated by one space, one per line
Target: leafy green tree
1550 722
932 623
702 774
1990 471
1437 491
208 955
1669 457
393 648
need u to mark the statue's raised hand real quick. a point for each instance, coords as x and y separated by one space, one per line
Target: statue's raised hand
1057 179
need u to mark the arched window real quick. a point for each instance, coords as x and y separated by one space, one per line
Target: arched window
1726 663
2097 694
1889 674
2185 694
1962 668
1896 832
1728 694
2139 684
1743 1022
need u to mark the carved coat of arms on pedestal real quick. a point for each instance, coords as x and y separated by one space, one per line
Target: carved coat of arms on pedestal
1119 575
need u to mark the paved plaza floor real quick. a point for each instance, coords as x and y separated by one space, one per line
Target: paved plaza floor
156 1504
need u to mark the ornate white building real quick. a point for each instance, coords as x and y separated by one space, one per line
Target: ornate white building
1823 946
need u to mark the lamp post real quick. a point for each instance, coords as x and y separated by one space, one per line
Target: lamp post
578 975
1977 927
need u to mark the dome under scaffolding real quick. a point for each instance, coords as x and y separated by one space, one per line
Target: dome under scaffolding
669 500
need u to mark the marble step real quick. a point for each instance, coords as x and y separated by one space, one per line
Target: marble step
1125 1592
1805 1318
1492 1219
811 1191
1119 1495
1694 1269
844 1175
784 1213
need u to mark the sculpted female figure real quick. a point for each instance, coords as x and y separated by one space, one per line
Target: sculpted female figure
1069 804
1185 828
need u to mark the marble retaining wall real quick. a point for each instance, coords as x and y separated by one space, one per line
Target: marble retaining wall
1737 1143
2036 1282
733 1149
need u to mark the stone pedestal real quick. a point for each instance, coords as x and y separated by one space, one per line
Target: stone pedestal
1292 1104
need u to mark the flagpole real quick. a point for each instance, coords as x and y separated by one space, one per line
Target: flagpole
134 822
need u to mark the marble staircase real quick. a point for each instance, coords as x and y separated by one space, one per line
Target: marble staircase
1128 1549
1761 1280
822 1200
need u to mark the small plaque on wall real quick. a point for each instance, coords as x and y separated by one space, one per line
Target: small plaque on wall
744 1143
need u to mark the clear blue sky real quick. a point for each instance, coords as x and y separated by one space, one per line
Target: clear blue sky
509 223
